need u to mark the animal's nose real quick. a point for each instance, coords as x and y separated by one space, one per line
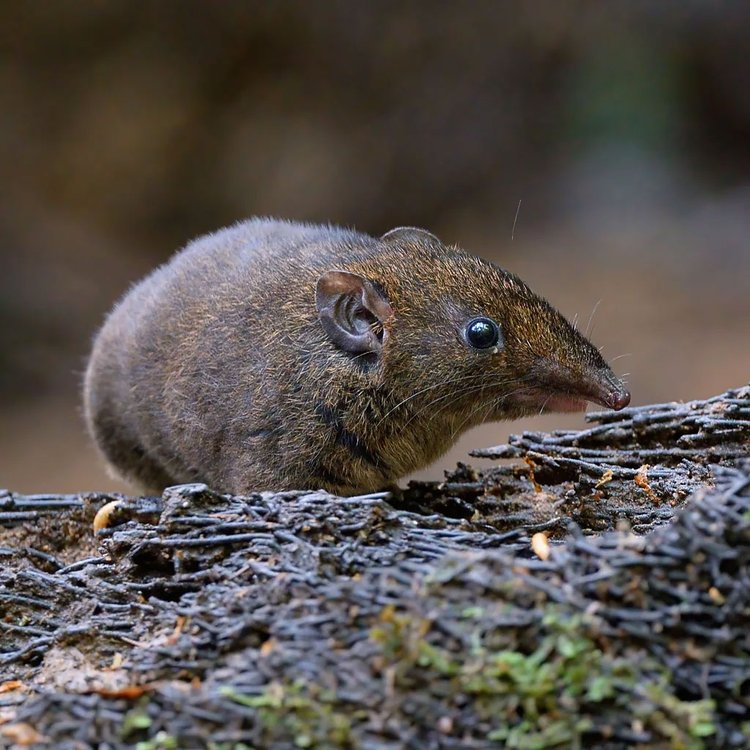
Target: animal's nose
619 399
610 391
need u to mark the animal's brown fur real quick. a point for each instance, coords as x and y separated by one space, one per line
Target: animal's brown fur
216 367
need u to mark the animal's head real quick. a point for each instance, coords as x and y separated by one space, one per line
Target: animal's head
448 329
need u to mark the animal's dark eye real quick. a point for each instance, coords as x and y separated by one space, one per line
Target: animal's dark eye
482 333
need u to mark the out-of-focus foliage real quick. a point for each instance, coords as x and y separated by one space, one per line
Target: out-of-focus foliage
127 128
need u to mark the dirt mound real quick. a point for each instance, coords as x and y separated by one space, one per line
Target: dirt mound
307 620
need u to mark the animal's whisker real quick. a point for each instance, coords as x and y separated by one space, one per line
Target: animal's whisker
591 317
546 401
479 404
454 397
620 356
494 403
411 396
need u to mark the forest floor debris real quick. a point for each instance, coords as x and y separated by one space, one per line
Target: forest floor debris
428 620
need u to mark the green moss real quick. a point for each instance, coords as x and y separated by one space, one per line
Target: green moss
160 741
301 714
136 724
550 697
136 720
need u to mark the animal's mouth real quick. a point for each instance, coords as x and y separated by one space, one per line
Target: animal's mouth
606 391
564 402
543 401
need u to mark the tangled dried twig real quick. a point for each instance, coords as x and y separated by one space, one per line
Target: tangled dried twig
302 619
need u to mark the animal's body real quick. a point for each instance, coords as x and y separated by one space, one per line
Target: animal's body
277 355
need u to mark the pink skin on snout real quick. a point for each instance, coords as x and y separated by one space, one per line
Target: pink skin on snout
609 395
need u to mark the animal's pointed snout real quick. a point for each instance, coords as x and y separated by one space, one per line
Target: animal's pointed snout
618 399
611 391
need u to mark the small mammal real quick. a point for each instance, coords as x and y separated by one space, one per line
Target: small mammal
278 355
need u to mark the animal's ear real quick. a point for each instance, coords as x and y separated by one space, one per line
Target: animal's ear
413 235
352 311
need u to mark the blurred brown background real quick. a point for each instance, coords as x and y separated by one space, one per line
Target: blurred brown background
128 128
